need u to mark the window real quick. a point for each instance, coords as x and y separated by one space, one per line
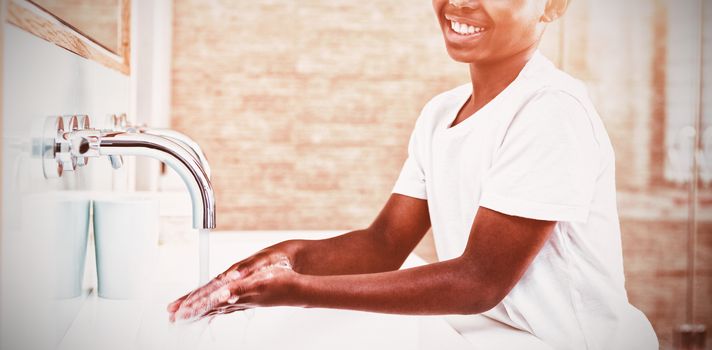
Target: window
683 76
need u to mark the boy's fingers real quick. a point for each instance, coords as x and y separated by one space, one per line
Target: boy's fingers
224 310
230 285
235 273
204 305
204 291
215 285
173 307
226 297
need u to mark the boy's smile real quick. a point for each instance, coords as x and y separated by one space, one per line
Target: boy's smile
490 30
463 29
465 26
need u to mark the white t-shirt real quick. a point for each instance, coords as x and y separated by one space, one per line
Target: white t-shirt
538 150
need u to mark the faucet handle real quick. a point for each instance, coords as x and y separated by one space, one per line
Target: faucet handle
83 124
61 151
64 156
119 122
69 141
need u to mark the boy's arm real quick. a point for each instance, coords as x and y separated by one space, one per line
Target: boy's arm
499 251
383 246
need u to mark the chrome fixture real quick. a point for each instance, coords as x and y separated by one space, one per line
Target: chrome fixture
67 147
56 158
120 123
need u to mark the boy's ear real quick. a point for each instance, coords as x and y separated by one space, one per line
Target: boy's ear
554 9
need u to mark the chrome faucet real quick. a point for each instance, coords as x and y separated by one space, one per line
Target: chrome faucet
120 123
64 150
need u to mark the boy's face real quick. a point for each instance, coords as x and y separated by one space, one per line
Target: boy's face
483 31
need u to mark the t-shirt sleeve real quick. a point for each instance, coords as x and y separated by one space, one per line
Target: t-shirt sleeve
547 164
411 181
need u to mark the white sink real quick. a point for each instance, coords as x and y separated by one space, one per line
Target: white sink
108 324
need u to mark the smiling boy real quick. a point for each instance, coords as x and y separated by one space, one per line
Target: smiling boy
515 174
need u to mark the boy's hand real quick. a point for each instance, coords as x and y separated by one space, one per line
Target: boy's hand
263 279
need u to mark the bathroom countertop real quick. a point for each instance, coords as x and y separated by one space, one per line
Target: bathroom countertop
115 324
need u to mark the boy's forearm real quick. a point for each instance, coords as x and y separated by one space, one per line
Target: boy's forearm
355 252
441 288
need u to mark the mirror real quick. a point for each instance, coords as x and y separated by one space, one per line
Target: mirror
98 20
98 30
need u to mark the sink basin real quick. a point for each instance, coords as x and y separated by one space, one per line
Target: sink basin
113 324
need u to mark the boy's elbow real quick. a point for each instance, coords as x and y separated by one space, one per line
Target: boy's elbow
481 292
482 301
494 300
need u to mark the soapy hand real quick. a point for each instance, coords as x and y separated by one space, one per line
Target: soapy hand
264 279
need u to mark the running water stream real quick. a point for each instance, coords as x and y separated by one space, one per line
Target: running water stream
204 251
201 327
197 330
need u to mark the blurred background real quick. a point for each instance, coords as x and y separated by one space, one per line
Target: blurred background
304 109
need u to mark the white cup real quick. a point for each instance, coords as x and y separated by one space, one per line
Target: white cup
56 226
126 239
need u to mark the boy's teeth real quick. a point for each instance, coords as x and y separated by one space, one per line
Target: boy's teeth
465 29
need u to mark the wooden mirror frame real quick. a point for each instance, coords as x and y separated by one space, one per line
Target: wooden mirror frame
29 17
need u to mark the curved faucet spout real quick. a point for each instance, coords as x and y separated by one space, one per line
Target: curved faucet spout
183 139
169 152
72 148
121 123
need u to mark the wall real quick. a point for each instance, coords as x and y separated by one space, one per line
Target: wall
621 50
304 109
40 79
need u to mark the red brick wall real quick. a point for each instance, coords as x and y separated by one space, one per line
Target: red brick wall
305 107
